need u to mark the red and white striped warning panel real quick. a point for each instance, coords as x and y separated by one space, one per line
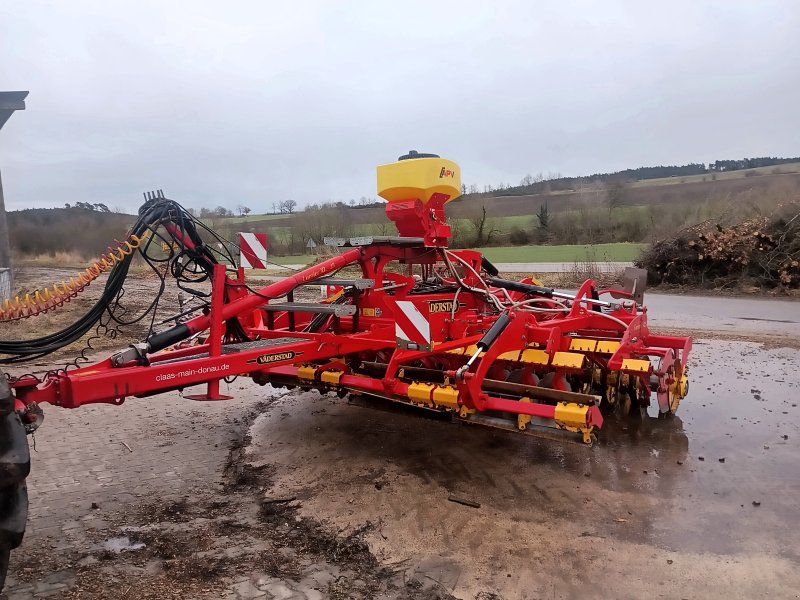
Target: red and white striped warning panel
411 326
253 250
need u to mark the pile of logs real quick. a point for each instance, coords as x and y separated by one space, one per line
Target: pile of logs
761 251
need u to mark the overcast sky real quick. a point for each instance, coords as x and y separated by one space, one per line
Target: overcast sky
253 102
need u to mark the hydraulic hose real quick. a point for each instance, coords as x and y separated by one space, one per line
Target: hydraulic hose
154 212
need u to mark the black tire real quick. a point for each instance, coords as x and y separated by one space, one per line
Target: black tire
4 556
15 464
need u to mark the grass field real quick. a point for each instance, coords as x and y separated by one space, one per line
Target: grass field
533 254
579 253
253 217
297 259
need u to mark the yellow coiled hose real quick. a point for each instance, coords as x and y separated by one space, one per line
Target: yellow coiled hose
42 301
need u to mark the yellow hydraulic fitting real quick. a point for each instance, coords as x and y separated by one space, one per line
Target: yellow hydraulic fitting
331 377
465 412
572 417
307 372
523 420
440 396
420 393
569 414
446 396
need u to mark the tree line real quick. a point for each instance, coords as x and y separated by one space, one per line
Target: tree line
554 182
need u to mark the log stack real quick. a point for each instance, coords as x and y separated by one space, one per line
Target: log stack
759 251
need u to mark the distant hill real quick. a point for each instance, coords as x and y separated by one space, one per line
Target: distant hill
538 184
83 231
591 212
634 205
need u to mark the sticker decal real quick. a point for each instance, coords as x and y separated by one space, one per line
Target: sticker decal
266 359
442 306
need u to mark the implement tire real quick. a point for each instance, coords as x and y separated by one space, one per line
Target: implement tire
15 464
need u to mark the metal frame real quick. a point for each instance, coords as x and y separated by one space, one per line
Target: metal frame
282 353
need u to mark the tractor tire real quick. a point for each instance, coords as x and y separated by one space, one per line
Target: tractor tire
15 464
5 555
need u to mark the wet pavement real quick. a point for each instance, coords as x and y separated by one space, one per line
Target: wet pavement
699 506
743 316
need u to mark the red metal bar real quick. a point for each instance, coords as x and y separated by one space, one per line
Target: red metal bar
216 332
277 289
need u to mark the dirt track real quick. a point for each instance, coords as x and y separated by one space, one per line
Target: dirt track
320 498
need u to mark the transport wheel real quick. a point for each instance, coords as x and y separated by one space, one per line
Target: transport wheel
15 464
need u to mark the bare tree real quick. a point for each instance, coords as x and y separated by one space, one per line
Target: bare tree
320 221
527 181
615 196
243 210
482 226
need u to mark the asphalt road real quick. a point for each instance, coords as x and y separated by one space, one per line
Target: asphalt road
743 316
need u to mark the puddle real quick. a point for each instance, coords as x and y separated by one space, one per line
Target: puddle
121 544
766 320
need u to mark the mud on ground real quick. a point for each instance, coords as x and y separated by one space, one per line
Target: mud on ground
201 545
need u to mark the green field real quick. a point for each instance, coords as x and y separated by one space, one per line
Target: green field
581 253
533 254
252 217
297 259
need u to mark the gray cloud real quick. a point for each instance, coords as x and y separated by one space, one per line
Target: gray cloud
255 102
